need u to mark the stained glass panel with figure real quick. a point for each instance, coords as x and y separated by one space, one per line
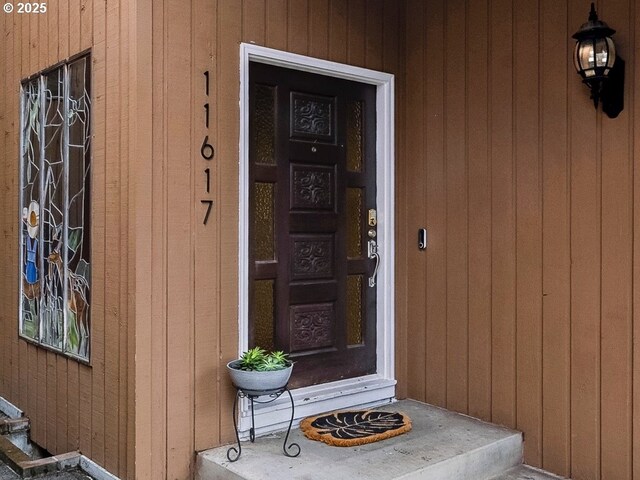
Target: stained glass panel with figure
55 204
31 258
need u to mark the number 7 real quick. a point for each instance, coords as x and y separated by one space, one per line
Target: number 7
209 204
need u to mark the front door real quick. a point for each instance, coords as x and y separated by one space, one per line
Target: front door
313 222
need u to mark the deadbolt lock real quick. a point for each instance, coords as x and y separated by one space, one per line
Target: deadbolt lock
373 217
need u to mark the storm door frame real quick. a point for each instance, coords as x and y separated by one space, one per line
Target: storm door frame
370 389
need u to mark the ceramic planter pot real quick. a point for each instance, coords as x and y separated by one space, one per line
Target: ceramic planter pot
252 381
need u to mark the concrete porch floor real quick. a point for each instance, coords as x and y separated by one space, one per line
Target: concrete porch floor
441 445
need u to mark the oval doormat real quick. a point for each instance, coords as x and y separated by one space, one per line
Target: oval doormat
355 427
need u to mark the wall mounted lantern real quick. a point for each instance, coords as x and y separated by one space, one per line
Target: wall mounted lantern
596 61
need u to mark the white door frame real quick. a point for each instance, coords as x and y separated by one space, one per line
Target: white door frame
371 389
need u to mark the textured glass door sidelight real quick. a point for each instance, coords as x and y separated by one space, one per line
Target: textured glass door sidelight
312 184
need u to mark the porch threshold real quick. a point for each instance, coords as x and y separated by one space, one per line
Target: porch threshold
363 393
441 445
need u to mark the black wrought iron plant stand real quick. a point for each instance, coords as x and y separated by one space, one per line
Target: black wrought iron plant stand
234 453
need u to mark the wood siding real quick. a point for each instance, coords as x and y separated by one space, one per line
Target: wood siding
73 406
521 311
186 304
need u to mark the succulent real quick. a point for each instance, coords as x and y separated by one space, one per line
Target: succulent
257 359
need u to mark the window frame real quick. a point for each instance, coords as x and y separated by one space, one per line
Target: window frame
41 78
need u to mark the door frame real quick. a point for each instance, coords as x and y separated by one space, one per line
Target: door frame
371 389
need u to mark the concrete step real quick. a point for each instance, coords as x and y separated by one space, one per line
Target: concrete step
441 446
524 472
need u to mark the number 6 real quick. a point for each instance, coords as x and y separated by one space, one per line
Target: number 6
207 151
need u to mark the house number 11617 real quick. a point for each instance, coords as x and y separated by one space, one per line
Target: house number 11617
207 152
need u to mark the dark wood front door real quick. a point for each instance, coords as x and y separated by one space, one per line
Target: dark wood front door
312 186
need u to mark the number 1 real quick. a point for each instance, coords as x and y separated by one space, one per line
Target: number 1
207 171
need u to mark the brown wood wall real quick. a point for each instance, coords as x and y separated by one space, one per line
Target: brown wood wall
522 309
73 406
187 304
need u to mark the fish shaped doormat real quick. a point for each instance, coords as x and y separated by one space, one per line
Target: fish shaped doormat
355 427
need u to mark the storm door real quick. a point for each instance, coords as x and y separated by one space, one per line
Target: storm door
312 247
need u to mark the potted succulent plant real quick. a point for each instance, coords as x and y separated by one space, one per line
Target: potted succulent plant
259 371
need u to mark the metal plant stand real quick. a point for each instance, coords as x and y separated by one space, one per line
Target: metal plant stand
234 453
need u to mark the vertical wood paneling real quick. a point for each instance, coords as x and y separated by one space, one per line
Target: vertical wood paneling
276 32
416 260
25 56
157 367
99 230
51 401
39 433
338 9
479 238
62 402
112 235
521 309
179 215
616 288
374 35
433 120
633 68
12 289
585 156
298 23
554 186
86 23
503 254
253 21
65 400
43 45
319 28
66 371
556 426
394 27
74 25
143 243
457 206
64 22
207 321
52 21
356 36
34 43
6 59
85 427
230 20
124 358
71 391
528 230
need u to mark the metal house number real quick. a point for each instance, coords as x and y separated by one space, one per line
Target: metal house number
207 151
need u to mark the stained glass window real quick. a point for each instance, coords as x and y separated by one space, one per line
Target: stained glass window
55 205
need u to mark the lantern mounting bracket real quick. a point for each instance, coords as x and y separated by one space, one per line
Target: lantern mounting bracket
596 61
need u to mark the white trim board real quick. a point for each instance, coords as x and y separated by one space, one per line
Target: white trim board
9 409
381 386
96 471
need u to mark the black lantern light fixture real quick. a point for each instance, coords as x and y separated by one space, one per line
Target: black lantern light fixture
596 61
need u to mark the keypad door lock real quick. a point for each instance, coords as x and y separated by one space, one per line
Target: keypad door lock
373 217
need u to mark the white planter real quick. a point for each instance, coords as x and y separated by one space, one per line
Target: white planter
252 382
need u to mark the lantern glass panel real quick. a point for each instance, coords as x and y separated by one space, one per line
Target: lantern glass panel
586 57
602 52
612 52
576 58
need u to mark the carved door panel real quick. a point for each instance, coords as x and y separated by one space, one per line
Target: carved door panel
312 174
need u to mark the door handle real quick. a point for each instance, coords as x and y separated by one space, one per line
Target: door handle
373 253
